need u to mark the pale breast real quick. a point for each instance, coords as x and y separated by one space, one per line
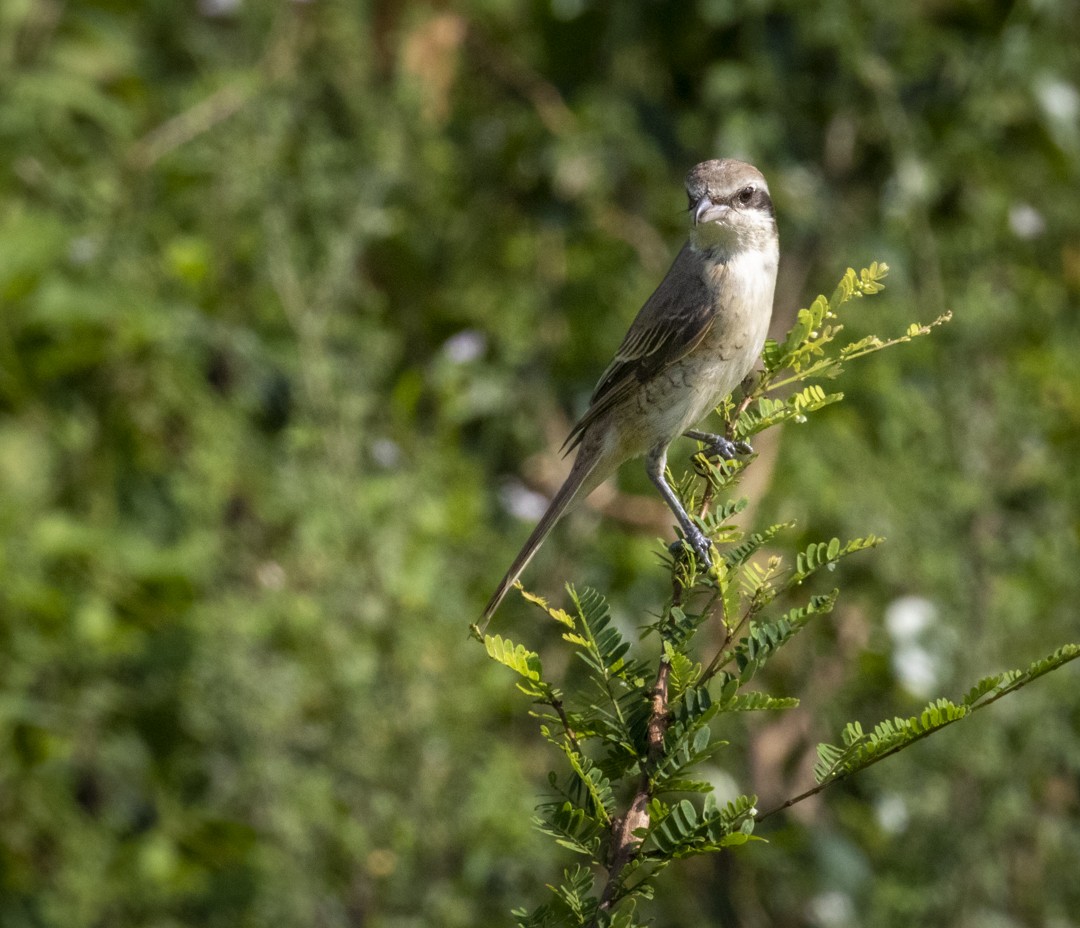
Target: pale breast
683 393
734 342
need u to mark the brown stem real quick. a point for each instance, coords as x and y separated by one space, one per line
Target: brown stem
625 842
658 718
713 667
557 705
739 410
706 499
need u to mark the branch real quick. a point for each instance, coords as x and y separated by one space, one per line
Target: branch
191 123
557 705
1009 688
625 841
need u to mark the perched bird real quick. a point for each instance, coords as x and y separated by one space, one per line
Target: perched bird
692 343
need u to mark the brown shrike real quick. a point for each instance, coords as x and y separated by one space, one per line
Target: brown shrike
692 343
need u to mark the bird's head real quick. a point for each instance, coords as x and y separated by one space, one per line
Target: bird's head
730 206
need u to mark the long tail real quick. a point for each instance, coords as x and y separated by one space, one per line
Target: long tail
568 493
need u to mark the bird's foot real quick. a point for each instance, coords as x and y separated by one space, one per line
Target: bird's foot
721 447
697 542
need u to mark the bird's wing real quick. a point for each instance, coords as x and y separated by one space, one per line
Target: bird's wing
669 326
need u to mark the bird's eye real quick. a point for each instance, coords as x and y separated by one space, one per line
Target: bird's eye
746 195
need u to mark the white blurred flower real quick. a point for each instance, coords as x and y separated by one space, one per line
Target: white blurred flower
214 8
832 909
892 814
1059 99
465 346
82 250
914 178
521 502
916 667
907 617
271 575
386 453
1025 221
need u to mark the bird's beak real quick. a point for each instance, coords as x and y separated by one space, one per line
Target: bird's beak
706 211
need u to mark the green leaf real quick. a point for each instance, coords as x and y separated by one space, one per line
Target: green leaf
684 831
891 735
517 657
559 615
572 828
754 702
602 646
827 554
763 639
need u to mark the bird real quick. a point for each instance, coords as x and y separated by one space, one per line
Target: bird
695 339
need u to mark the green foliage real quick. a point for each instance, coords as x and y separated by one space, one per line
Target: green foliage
861 749
291 297
682 830
802 355
633 732
524 662
573 903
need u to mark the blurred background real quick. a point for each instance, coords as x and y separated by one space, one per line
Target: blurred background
297 302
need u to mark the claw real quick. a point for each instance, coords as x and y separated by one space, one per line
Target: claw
696 542
721 447
726 448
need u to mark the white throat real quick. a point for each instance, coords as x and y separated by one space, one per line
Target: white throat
727 239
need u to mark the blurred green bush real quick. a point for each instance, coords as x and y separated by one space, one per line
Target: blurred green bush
288 293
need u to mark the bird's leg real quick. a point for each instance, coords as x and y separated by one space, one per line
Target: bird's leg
655 462
719 445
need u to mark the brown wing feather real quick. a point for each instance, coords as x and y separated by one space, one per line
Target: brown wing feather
669 326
